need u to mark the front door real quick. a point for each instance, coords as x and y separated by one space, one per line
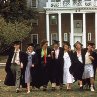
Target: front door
77 38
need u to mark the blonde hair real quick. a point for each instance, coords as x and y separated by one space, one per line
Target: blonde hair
43 42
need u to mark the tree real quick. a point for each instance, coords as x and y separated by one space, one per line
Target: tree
16 10
10 32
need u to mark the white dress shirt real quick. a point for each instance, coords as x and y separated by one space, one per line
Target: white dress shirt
17 58
56 53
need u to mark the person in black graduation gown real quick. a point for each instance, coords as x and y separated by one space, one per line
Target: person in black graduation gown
77 67
57 65
15 66
44 59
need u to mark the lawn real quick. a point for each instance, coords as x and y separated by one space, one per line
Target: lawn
6 91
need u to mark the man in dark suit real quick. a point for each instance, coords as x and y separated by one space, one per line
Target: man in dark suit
57 65
15 65
44 59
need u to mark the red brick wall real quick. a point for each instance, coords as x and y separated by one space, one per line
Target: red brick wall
42 26
90 25
65 25
40 29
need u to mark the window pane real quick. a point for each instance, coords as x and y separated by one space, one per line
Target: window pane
53 19
34 3
54 36
34 38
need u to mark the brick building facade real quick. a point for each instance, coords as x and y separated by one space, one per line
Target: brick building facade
65 20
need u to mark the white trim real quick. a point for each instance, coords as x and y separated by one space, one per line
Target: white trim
78 34
72 31
32 38
65 37
47 29
56 34
84 30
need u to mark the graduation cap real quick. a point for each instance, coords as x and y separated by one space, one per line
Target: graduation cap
31 44
77 43
66 43
16 42
55 42
91 43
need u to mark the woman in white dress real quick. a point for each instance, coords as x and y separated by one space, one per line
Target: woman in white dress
68 79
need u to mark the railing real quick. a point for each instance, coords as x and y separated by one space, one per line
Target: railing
72 4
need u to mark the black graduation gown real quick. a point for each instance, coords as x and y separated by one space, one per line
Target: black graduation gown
34 71
94 54
9 79
42 69
77 68
57 67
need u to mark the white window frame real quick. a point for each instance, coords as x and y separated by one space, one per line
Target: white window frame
32 38
52 37
89 36
65 37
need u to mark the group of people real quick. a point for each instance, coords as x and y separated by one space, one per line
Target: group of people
58 65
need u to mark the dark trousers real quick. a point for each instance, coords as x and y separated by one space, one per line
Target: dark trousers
16 70
57 72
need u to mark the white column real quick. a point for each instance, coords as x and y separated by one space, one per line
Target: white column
83 2
71 2
72 32
92 2
59 28
61 3
49 3
96 30
47 29
84 30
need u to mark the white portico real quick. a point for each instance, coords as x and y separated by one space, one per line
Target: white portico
71 7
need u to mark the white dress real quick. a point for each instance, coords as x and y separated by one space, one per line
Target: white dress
67 77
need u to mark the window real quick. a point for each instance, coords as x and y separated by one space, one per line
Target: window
34 3
89 36
53 20
35 22
34 38
65 37
54 36
78 24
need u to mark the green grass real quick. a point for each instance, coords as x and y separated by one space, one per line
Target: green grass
6 91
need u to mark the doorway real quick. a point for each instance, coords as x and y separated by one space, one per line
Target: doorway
77 38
